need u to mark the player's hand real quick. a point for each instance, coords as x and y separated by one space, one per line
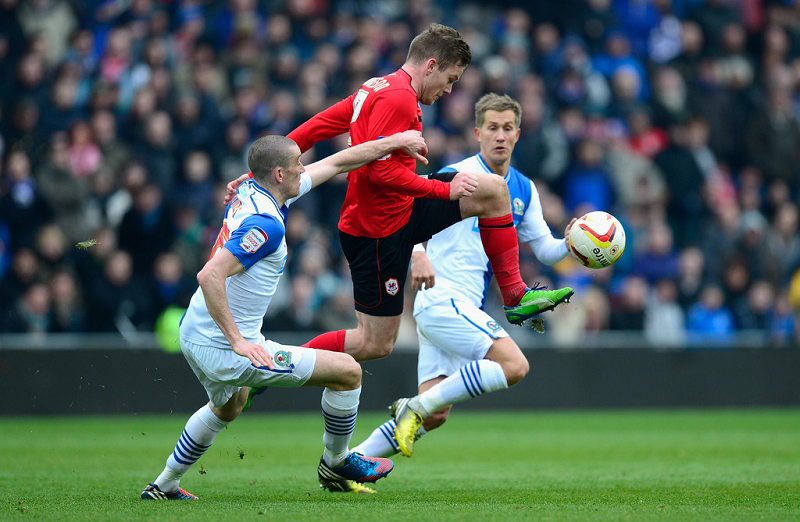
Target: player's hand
233 185
255 352
566 231
463 185
422 273
412 142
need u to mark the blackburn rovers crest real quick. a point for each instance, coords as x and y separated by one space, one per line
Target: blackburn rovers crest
283 358
519 206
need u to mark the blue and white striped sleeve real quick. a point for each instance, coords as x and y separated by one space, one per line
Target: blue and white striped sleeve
257 237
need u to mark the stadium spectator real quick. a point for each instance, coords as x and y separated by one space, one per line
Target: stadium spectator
23 273
628 307
709 320
196 187
193 129
120 301
588 183
230 154
22 206
146 230
65 193
658 259
772 133
685 209
783 241
68 310
157 152
664 318
171 286
54 19
32 313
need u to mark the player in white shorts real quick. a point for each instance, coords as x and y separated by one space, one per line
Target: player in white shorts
220 333
463 351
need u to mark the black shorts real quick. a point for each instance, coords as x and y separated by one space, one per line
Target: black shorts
379 266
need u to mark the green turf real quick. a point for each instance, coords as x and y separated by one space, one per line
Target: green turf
639 465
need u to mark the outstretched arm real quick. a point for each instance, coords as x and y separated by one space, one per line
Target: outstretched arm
550 250
410 141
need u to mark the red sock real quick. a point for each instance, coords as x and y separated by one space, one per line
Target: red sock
331 341
499 238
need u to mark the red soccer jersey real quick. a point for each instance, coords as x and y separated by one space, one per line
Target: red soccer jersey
380 195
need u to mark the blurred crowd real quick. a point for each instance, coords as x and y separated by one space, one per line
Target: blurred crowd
122 120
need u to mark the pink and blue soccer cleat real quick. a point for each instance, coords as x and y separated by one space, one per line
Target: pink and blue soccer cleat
153 492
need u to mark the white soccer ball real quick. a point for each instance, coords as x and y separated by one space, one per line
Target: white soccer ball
597 239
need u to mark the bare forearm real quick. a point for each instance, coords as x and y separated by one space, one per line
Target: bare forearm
360 155
213 285
350 159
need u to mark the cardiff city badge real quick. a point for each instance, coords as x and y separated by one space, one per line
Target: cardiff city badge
392 286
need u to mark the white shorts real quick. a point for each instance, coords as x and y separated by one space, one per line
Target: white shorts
451 334
224 372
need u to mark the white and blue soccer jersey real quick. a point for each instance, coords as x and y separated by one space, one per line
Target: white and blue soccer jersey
254 231
462 267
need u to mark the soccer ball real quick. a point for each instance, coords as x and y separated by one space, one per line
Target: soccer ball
597 239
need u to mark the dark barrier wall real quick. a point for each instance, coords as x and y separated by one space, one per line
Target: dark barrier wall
147 381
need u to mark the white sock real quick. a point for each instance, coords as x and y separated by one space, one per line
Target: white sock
340 410
473 379
381 442
197 436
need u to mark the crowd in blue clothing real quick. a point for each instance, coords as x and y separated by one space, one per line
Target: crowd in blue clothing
122 120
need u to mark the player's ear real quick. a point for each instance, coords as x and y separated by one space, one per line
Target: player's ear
477 133
431 65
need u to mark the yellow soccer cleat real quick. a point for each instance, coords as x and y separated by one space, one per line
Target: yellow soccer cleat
346 486
405 431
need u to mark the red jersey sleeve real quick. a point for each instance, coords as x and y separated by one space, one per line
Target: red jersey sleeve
331 122
392 112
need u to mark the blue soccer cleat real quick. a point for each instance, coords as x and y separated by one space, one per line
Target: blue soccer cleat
356 469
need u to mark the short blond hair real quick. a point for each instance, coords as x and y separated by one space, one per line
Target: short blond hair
496 102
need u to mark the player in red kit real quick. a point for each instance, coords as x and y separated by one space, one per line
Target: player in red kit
388 208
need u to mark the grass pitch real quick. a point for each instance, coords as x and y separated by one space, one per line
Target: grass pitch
621 465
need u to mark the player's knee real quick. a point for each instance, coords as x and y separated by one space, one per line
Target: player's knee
516 370
436 419
233 407
384 349
351 373
494 197
495 187
376 350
